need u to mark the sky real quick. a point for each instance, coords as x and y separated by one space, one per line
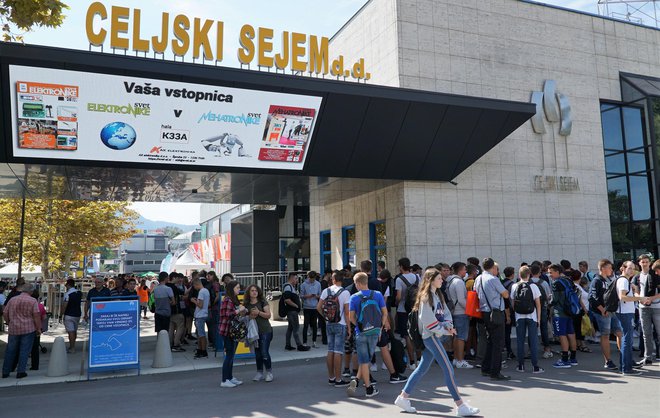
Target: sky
322 18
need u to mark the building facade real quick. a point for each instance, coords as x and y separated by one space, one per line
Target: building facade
578 182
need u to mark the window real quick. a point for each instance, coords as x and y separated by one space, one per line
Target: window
630 178
348 245
326 251
159 243
377 244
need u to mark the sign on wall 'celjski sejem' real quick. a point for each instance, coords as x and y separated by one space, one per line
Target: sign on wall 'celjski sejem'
181 35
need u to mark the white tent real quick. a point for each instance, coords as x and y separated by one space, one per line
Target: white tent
186 261
28 271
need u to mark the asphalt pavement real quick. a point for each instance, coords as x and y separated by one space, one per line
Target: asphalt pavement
300 390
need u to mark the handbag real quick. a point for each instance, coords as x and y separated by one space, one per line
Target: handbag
586 327
497 316
472 305
237 329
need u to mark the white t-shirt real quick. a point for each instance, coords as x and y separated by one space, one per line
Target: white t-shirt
204 296
584 296
536 294
343 299
622 284
400 285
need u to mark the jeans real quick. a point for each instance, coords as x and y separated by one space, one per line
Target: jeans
527 327
650 317
545 339
310 318
507 336
365 345
18 345
292 328
212 322
262 353
228 363
434 351
627 341
492 363
336 337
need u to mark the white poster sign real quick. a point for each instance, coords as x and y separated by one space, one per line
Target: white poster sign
73 115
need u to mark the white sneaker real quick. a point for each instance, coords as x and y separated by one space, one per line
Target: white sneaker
236 381
404 403
269 377
314 345
373 367
383 366
454 362
463 365
412 366
227 384
547 354
258 377
466 410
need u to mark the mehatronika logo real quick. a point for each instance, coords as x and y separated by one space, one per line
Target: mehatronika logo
219 117
555 106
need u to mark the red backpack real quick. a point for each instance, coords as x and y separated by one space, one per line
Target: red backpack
331 307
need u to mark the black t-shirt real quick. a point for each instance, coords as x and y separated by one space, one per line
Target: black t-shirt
127 292
288 294
176 308
73 304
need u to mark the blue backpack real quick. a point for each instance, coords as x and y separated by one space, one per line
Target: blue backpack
370 318
574 307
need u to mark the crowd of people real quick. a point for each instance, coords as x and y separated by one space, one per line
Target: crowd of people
459 316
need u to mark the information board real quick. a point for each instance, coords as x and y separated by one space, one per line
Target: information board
75 115
114 335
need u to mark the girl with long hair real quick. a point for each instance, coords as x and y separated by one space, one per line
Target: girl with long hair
435 321
258 309
229 308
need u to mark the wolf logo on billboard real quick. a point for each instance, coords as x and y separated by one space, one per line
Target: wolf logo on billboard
555 106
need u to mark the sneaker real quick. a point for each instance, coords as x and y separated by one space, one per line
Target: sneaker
573 362
352 387
303 348
269 376
510 356
71 351
463 365
520 369
632 373
397 378
346 373
466 410
412 366
547 354
342 383
373 367
538 370
500 377
200 354
236 381
404 403
372 391
332 382
637 366
178 350
383 366
227 384
453 362
288 348
258 377
371 379
561 365
314 344
610 365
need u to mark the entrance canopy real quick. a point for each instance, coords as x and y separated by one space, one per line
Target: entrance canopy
86 125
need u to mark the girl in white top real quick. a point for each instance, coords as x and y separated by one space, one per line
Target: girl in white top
434 321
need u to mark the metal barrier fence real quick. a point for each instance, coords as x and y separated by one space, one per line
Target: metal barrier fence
276 279
246 279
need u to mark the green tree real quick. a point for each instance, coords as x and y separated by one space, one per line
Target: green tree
172 231
60 231
27 14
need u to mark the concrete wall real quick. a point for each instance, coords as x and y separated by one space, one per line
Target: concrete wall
501 49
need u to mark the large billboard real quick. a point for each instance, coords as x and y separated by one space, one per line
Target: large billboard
74 115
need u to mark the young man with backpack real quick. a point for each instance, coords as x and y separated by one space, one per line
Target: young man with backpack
406 286
564 300
292 306
626 315
526 304
546 299
508 283
457 293
605 312
71 312
369 314
648 284
333 306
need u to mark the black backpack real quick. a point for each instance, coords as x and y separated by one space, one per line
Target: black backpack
524 299
411 295
544 296
413 331
611 298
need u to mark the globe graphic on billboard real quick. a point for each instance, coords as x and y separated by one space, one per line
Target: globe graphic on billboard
118 135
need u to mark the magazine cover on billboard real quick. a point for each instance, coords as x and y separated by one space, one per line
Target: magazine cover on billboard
47 116
286 134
